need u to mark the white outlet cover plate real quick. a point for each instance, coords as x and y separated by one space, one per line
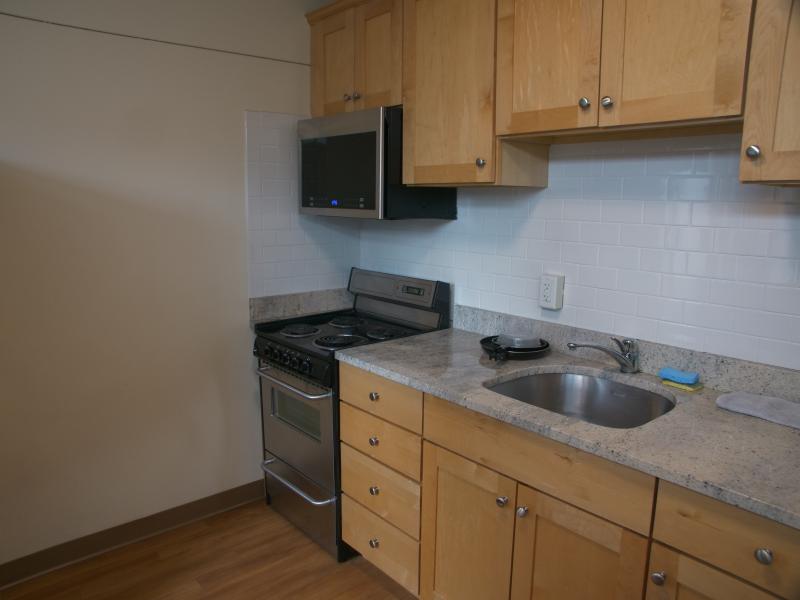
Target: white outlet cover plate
551 291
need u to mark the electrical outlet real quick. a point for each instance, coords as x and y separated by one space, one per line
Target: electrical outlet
551 291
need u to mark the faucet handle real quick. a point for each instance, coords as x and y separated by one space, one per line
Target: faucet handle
626 345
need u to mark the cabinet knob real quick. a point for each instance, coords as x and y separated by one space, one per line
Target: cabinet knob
373 441
584 102
522 511
658 577
753 151
374 396
480 162
356 96
764 556
606 101
347 97
374 490
501 501
374 543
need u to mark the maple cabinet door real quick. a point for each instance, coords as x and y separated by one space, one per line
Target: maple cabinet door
448 91
467 529
332 64
378 54
564 553
673 61
548 64
771 118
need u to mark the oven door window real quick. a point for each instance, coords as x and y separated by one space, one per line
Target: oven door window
300 415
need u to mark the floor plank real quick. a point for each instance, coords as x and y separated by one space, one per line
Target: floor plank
248 552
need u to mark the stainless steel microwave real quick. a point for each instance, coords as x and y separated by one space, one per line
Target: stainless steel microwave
351 166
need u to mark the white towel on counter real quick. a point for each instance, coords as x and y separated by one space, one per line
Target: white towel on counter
772 409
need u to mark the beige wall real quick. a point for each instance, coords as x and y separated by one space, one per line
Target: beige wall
126 382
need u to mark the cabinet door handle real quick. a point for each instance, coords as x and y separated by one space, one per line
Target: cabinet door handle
374 490
480 162
374 396
347 97
373 441
356 96
658 577
374 543
522 511
606 101
501 501
584 102
753 151
764 556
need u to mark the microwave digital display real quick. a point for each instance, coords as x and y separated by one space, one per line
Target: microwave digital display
416 291
338 171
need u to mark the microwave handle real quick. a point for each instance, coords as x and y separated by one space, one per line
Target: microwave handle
263 373
293 487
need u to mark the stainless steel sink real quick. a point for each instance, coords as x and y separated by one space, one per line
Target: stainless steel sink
588 398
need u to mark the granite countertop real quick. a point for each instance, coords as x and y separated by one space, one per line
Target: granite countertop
741 460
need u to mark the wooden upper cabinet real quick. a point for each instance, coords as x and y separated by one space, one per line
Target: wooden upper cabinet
467 529
448 91
356 56
675 576
378 53
563 552
771 118
548 64
673 60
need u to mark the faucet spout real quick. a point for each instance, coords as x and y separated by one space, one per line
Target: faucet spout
627 356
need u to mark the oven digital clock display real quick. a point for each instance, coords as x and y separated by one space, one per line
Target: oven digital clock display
416 291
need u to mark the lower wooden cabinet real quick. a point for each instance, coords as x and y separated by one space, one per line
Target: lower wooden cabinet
564 553
476 523
467 529
675 576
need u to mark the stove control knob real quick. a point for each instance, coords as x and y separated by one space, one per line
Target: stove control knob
295 362
305 366
285 358
275 353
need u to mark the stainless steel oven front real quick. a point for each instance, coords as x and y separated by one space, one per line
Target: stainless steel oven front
299 443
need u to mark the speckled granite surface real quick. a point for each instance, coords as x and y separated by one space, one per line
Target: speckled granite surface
271 308
723 373
740 460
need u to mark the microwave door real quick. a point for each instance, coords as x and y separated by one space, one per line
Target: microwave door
341 165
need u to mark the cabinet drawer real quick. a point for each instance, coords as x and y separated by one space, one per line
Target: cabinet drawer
383 491
394 552
386 443
617 493
386 399
728 537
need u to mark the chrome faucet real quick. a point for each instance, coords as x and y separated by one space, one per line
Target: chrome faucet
627 357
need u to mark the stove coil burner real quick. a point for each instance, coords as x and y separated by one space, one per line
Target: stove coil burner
332 342
380 334
346 322
299 330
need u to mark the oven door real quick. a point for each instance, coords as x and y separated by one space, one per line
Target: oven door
298 424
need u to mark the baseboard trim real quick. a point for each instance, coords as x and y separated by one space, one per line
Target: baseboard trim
81 548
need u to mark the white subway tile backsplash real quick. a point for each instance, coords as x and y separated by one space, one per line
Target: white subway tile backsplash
657 239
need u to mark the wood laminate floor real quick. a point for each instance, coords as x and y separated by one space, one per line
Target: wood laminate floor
248 552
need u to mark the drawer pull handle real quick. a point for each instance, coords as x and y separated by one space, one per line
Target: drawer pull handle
374 396
522 511
373 441
764 556
374 490
501 501
374 543
658 577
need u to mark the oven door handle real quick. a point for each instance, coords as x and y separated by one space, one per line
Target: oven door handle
291 388
293 487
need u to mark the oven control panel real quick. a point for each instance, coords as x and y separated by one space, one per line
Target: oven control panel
310 367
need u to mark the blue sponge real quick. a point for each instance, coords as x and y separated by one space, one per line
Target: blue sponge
686 377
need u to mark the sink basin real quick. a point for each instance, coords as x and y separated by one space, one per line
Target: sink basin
588 398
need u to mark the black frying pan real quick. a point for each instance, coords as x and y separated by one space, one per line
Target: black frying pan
504 351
